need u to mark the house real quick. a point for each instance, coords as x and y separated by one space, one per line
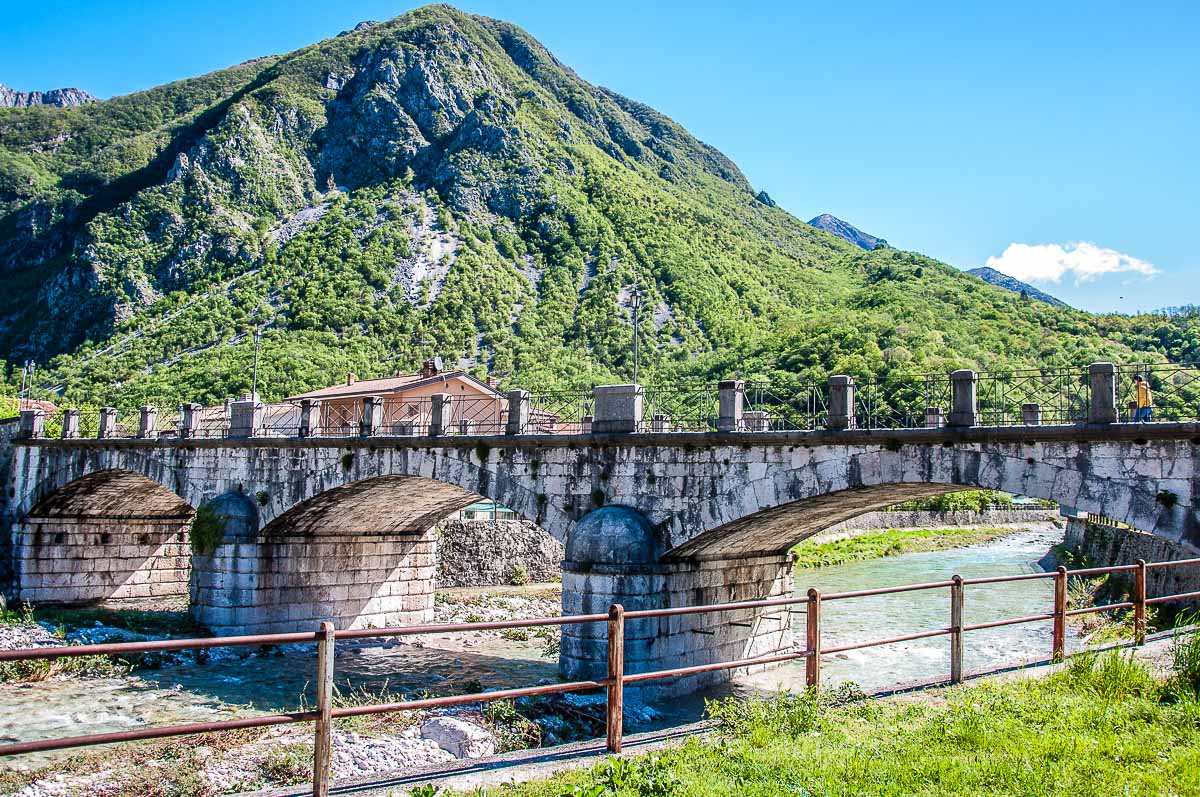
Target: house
475 405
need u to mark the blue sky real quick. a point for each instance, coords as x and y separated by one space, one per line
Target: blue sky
960 130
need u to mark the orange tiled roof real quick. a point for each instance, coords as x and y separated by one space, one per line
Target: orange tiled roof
387 384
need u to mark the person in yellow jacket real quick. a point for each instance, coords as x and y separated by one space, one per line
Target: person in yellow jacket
1143 398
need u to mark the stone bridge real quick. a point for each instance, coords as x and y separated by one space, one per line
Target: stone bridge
271 534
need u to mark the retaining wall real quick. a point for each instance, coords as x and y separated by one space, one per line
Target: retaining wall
925 520
487 553
1105 546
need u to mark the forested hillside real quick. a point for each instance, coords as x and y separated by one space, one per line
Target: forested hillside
441 184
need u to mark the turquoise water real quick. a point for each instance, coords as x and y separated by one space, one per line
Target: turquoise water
877 617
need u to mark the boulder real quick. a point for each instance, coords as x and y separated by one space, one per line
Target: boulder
460 738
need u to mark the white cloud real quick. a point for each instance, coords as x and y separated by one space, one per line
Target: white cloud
1049 262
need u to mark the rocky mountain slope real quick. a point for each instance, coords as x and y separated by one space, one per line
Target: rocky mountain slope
847 232
440 184
61 98
1002 280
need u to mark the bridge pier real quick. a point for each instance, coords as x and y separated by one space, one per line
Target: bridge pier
273 581
614 556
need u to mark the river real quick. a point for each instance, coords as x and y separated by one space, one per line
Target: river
232 685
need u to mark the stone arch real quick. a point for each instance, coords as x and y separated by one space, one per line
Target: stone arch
359 554
50 472
783 506
459 471
108 534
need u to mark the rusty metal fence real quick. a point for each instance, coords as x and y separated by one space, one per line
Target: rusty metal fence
324 713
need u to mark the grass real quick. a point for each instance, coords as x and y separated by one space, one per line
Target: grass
890 542
1100 726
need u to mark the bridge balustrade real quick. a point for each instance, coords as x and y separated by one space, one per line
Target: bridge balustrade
1098 394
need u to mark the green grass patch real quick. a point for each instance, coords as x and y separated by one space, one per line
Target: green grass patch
890 542
1102 725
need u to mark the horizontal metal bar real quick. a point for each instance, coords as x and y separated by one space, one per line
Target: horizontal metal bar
1174 562
478 697
889 641
119 648
1033 618
1006 579
715 607
443 628
1179 597
834 596
724 665
1093 571
161 732
1104 608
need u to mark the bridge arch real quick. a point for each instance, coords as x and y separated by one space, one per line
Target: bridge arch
771 513
108 534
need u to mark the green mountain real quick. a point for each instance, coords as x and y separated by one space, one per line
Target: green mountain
440 184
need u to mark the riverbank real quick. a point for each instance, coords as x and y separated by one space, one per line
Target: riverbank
879 543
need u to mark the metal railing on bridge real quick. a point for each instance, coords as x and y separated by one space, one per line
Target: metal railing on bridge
1101 393
324 713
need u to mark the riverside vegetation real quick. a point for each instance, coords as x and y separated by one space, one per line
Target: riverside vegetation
1101 725
441 184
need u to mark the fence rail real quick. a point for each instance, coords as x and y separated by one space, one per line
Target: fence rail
812 651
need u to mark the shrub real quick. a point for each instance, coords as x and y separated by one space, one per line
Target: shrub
208 531
520 575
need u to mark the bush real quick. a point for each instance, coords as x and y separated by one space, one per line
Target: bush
520 576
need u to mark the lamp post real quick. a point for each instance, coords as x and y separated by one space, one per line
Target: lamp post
635 302
254 378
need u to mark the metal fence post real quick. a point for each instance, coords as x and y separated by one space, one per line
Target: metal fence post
812 668
1139 603
956 630
323 737
1060 615
615 702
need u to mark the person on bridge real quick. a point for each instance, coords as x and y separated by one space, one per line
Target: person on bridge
1143 398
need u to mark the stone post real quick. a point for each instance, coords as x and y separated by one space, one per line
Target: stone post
585 424
32 424
618 409
1031 414
841 402
148 423
1103 379
189 420
245 418
466 427
108 423
310 417
963 411
372 416
518 412
441 414
731 394
660 423
70 425
934 419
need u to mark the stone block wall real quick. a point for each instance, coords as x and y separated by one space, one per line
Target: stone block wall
486 553
81 560
681 640
286 584
1105 546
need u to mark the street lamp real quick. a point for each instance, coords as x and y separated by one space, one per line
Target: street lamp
254 378
635 303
